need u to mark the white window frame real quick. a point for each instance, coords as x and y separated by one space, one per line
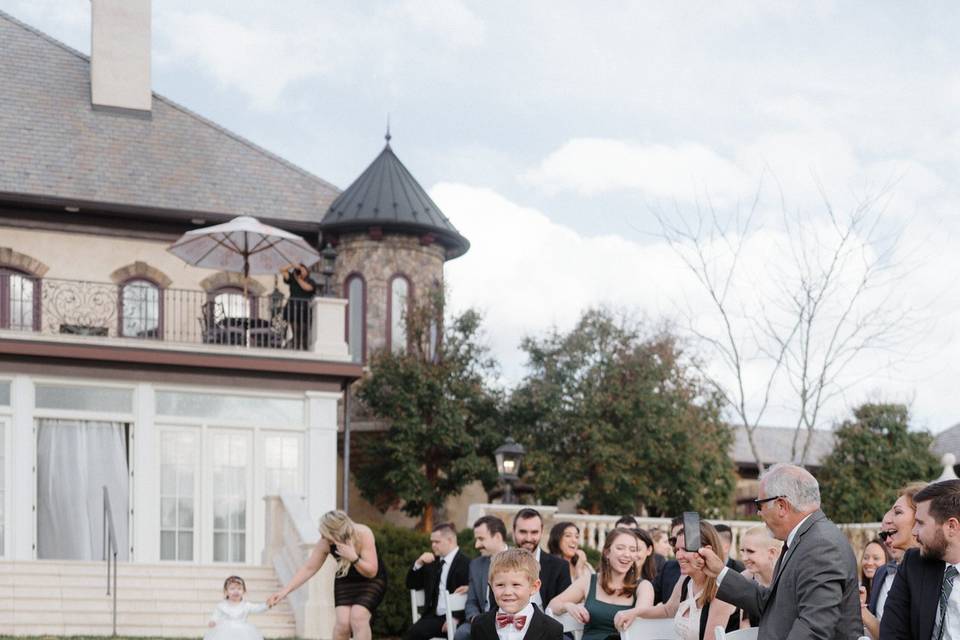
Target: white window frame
197 432
104 416
6 438
208 516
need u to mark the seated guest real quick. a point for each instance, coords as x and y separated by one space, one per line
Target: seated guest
759 551
896 531
626 522
669 573
661 547
607 600
443 569
490 535
726 539
564 542
645 562
554 571
922 602
694 605
514 579
874 556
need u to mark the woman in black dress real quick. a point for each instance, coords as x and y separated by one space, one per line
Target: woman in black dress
361 579
298 313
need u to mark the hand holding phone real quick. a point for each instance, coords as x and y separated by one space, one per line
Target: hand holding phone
691 530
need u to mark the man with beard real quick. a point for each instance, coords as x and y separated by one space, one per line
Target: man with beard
924 601
554 571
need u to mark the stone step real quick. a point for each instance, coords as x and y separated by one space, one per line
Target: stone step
47 597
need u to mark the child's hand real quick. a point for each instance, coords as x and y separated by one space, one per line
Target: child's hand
274 599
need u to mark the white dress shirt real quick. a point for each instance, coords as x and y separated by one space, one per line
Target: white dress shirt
951 623
884 592
444 572
510 632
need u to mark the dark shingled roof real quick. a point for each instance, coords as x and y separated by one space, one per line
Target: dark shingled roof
56 146
774 444
947 441
386 195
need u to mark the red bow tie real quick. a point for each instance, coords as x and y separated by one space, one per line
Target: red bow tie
503 619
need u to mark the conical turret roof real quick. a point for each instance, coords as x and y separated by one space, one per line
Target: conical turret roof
387 196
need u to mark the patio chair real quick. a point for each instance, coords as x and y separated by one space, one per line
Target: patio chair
650 629
741 634
570 624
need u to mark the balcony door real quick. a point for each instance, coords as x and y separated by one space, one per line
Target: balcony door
75 460
19 301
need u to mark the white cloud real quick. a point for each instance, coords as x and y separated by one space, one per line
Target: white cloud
593 165
528 274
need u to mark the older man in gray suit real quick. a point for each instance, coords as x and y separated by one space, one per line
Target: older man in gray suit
814 593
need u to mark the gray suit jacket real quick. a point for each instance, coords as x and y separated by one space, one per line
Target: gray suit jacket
479 587
815 593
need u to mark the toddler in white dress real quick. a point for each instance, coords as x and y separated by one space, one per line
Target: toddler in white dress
229 619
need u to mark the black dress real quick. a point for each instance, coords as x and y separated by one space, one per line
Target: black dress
356 588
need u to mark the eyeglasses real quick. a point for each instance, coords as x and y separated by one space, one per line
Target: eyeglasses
758 502
672 540
883 535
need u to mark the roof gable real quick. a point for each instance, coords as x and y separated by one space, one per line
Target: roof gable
56 145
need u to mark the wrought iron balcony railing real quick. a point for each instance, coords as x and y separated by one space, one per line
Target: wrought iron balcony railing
140 310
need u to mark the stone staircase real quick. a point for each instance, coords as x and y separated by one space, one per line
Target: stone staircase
47 597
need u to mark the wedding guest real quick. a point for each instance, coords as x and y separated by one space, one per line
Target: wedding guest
759 551
443 568
693 604
490 538
645 562
726 539
554 572
669 573
514 578
298 312
626 522
564 542
605 602
874 556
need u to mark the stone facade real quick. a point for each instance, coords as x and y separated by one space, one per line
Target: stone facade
379 261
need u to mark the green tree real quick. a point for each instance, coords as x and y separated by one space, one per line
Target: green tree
873 456
442 411
621 420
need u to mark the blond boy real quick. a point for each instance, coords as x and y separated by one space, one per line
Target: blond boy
514 578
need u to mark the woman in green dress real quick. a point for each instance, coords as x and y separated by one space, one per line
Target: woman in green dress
601 600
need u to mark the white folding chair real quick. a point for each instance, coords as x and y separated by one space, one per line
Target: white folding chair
417 596
740 634
455 602
570 624
650 629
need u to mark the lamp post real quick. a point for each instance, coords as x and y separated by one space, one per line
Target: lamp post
329 255
509 456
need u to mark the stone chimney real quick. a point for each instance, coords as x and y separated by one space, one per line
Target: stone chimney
120 54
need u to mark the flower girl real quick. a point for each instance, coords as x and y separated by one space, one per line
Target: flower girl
229 620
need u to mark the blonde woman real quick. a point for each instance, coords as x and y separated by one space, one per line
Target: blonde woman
759 551
361 580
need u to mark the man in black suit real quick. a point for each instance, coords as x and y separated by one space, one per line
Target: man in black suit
445 566
554 571
726 539
924 601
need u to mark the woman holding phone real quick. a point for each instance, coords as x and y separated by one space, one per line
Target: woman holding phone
693 604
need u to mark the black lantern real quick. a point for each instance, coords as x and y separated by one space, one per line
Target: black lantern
509 456
329 255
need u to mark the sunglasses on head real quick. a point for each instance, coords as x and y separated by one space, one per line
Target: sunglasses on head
672 540
883 535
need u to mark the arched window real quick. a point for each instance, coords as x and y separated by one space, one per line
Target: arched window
356 290
228 302
19 300
397 307
141 309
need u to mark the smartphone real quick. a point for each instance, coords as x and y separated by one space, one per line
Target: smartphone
691 530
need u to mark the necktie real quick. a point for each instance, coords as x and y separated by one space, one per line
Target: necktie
783 554
504 619
440 585
945 590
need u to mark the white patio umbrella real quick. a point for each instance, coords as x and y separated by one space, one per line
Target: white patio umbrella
243 245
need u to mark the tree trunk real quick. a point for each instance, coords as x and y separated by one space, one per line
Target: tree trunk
427 521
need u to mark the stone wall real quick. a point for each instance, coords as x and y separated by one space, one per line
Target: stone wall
378 261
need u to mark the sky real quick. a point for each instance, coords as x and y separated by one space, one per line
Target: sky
555 135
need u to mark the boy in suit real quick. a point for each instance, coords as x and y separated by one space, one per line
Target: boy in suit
514 578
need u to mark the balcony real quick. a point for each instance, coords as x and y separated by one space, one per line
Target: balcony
140 315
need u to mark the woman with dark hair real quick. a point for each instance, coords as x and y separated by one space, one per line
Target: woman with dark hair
645 561
694 605
896 532
564 541
875 555
601 600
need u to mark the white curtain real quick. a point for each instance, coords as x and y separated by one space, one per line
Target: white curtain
75 459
